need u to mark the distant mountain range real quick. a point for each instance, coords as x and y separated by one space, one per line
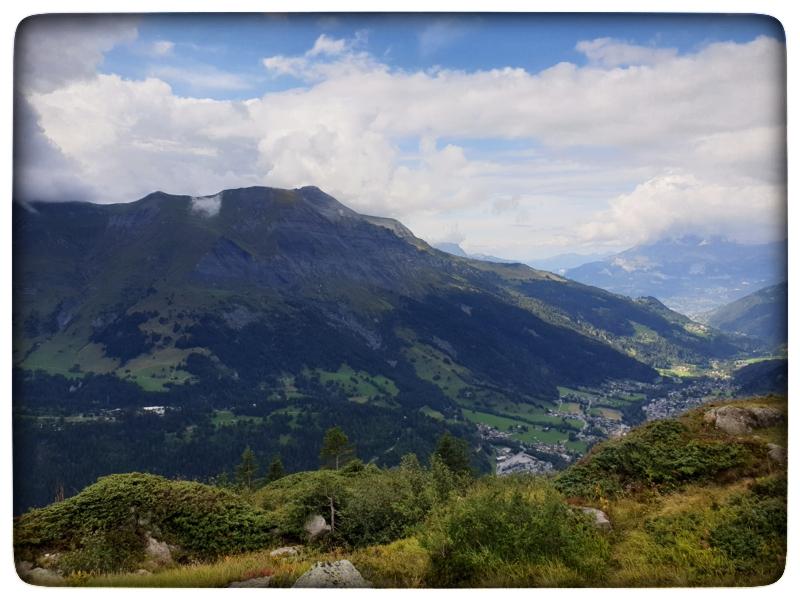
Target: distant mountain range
691 275
457 250
762 315
561 263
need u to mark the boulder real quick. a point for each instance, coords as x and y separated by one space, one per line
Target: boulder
285 551
41 576
777 453
600 518
740 420
316 526
339 574
255 582
157 552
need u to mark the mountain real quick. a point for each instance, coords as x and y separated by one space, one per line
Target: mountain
152 333
762 314
451 248
689 274
457 250
561 263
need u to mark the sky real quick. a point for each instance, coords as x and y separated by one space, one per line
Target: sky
521 136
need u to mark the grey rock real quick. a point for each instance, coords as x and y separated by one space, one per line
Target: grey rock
740 420
316 526
601 520
41 576
157 552
24 566
339 574
255 582
777 453
143 572
285 551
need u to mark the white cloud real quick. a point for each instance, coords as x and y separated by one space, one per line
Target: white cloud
682 203
609 52
203 77
162 48
441 33
327 45
705 126
328 57
54 50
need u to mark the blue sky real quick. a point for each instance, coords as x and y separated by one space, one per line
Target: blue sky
521 136
236 44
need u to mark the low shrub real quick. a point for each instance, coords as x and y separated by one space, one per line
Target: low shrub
104 528
661 455
370 505
514 524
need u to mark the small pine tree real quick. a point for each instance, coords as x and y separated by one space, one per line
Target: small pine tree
336 449
454 453
276 470
247 469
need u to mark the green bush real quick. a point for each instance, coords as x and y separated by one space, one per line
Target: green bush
371 505
507 525
740 540
660 455
104 527
754 530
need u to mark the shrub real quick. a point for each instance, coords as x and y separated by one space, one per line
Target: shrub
660 455
104 527
507 524
371 505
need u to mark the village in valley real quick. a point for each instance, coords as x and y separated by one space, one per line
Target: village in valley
604 413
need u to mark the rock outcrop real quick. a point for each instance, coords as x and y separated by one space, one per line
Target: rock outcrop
777 453
741 420
601 520
339 574
255 582
316 526
157 553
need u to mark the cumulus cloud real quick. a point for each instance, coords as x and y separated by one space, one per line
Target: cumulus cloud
625 138
682 203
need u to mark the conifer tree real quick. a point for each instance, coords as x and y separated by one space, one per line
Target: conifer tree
276 470
247 469
454 453
336 449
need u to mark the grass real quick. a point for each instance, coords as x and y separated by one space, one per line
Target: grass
285 572
359 385
606 413
432 413
401 564
223 418
534 434
434 366
566 391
